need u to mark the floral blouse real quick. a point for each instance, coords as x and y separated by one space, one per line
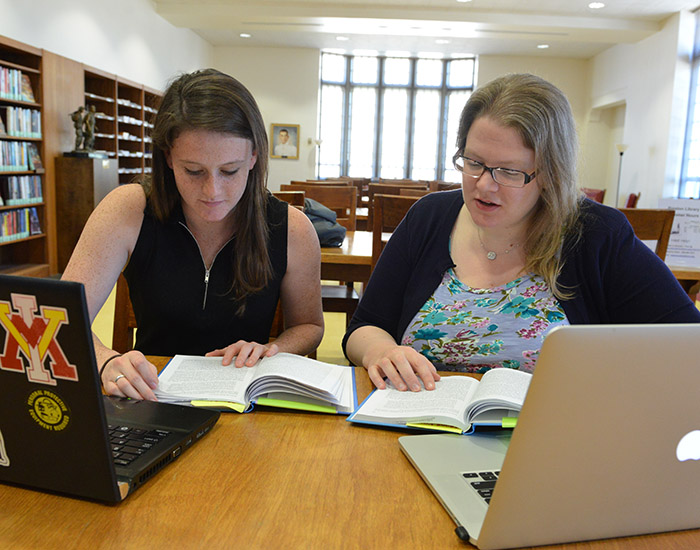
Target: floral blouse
468 329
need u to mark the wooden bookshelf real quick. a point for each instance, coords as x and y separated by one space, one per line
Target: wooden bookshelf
125 113
30 253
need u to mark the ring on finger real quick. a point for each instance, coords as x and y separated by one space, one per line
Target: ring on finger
118 377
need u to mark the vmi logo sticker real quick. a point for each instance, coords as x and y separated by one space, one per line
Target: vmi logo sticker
33 337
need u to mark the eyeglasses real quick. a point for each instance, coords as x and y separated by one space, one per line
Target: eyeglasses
502 176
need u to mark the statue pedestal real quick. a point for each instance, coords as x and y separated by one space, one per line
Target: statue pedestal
86 154
80 184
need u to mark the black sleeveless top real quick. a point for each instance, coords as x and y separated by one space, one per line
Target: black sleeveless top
176 311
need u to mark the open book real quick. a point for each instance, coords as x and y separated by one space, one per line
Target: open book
457 404
283 380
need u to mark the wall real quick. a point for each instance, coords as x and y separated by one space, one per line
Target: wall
287 93
651 79
123 37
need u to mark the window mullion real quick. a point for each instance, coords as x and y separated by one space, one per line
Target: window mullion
411 112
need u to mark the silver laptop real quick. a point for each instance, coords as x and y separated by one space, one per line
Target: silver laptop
607 444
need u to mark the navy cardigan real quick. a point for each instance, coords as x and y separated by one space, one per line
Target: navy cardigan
615 278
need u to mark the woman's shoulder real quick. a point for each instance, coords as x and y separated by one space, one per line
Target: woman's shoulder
125 202
599 217
438 204
128 195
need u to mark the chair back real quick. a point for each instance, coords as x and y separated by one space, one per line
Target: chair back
440 185
295 198
597 195
414 192
342 199
389 210
321 182
389 189
632 200
651 225
124 326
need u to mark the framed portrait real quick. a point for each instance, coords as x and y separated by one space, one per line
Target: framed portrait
284 141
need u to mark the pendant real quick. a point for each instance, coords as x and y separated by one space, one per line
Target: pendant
491 255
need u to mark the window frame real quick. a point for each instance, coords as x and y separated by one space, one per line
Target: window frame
347 86
689 187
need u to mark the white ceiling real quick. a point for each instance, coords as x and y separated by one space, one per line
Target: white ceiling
498 27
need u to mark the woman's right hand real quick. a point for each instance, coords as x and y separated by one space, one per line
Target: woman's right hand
130 375
403 366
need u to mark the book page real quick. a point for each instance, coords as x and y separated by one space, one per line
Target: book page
443 405
299 375
187 378
499 389
346 400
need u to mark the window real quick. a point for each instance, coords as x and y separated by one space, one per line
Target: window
391 117
690 173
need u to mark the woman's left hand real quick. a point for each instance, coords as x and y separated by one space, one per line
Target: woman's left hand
247 354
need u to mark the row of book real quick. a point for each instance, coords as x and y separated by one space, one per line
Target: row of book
18 156
21 122
15 85
19 224
20 190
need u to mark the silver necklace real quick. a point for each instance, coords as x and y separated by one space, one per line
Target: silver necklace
490 254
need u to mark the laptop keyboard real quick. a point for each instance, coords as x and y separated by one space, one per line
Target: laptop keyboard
482 482
129 443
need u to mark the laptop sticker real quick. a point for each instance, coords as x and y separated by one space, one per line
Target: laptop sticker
48 410
4 459
33 337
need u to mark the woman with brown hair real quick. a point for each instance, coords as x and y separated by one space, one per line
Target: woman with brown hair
206 249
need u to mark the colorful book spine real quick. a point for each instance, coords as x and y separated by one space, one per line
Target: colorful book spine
20 190
19 224
22 122
14 156
15 85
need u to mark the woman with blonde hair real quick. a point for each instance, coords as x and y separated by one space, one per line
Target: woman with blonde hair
474 279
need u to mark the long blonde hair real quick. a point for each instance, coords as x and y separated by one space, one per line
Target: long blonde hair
542 116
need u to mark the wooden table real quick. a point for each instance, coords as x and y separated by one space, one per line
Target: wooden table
267 479
350 262
689 278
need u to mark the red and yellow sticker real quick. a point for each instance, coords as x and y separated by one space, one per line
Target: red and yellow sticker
48 410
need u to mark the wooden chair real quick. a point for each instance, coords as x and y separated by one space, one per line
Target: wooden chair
321 183
632 200
414 192
389 210
295 198
444 185
594 194
124 327
651 224
340 198
337 298
388 189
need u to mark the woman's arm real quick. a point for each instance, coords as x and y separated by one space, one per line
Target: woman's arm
300 296
102 251
301 288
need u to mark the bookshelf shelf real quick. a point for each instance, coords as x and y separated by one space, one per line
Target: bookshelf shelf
22 240
31 254
124 112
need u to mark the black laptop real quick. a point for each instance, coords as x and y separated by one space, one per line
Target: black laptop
57 431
